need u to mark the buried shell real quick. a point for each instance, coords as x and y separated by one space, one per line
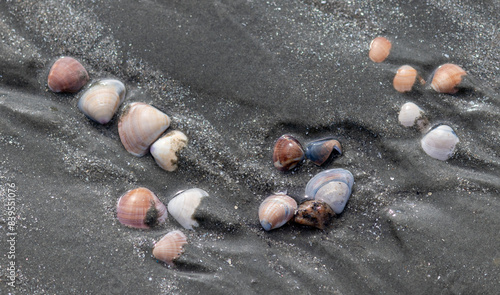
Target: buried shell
320 151
288 153
314 213
139 126
446 78
380 48
405 79
166 149
140 208
67 75
183 206
440 142
411 115
276 210
101 100
170 247
331 186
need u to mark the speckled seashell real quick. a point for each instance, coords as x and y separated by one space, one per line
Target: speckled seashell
170 247
320 151
276 210
101 100
183 206
380 48
139 126
440 142
140 208
446 78
405 78
331 186
67 75
314 213
166 149
288 153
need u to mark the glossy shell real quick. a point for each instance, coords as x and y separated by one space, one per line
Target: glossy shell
170 247
411 115
288 153
331 186
183 206
102 99
405 78
440 142
276 210
140 208
320 151
139 126
314 213
380 48
166 149
67 75
446 78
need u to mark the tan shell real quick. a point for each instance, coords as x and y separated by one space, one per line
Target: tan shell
139 126
446 78
276 210
140 208
405 78
101 100
166 149
170 247
67 75
380 48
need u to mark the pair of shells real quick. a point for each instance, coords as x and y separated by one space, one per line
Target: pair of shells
67 75
288 152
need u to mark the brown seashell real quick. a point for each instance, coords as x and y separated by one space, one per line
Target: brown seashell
139 126
276 210
67 75
288 153
140 208
314 213
380 48
170 247
446 78
405 78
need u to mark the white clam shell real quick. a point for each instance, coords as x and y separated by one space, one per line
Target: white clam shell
276 210
332 187
165 149
102 99
170 247
440 142
409 114
139 126
183 206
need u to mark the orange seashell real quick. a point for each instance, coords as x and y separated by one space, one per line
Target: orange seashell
288 153
170 247
140 208
139 126
446 78
67 75
380 48
276 210
405 78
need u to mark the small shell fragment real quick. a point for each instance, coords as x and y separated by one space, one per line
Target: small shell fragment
440 142
170 247
314 213
166 149
183 206
380 48
276 210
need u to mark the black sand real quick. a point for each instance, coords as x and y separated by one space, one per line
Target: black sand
234 76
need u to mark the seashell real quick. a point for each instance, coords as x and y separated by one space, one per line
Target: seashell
184 204
440 142
446 78
170 247
320 151
405 79
166 149
331 186
380 48
314 213
411 115
276 210
288 153
140 208
139 126
67 75
101 100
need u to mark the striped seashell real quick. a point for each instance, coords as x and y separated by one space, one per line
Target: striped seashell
102 99
288 153
276 210
170 247
332 187
67 75
446 78
140 208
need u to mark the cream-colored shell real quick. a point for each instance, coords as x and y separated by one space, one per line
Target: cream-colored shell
440 142
276 210
165 149
183 206
409 114
102 99
170 247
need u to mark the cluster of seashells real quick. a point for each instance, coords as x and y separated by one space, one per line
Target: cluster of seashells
439 142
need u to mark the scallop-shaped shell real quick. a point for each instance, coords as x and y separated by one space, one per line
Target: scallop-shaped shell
405 78
446 78
170 247
410 114
314 213
276 210
166 149
139 126
67 75
320 151
183 206
380 48
140 208
288 153
331 186
440 142
101 100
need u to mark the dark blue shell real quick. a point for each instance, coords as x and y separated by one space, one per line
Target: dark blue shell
320 151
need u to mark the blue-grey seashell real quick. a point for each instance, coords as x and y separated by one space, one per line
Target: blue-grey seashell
332 186
320 151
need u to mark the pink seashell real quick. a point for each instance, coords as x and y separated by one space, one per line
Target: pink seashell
276 210
140 208
67 75
170 247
